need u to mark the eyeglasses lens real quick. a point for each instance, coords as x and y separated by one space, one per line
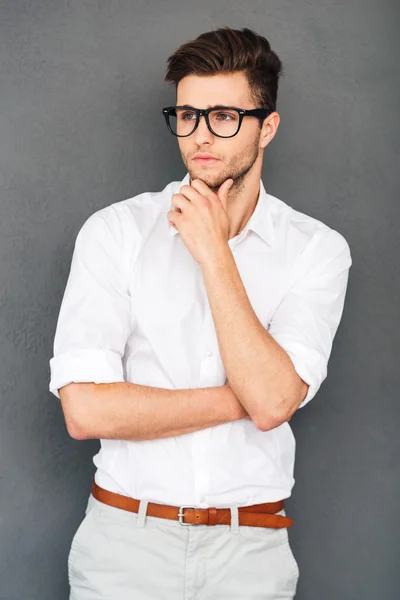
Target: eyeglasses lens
223 122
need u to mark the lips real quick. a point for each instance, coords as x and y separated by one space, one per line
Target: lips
205 159
203 155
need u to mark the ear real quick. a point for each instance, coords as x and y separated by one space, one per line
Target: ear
269 129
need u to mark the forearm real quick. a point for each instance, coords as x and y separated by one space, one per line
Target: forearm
259 370
135 412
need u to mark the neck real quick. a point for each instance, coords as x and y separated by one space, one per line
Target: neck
241 205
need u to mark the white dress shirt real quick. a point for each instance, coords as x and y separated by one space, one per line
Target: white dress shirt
135 309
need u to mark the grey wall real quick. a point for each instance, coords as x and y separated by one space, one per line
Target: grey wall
81 87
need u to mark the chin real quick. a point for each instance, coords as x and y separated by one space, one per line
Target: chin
211 180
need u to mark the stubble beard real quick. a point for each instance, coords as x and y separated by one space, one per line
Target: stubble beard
237 169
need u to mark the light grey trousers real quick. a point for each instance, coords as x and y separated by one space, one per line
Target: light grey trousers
119 555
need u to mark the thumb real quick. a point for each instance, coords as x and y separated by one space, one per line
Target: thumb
223 191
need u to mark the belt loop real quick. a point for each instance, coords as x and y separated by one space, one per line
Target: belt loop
142 513
234 519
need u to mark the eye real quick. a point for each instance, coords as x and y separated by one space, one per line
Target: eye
187 114
223 116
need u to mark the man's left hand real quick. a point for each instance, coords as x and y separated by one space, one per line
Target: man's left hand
201 218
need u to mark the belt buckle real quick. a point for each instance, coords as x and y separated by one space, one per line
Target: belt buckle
181 514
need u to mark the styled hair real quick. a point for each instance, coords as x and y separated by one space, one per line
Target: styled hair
227 50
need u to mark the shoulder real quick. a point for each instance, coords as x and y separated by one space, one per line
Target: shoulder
122 226
131 218
135 213
304 236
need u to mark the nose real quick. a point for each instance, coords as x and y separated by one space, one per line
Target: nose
202 133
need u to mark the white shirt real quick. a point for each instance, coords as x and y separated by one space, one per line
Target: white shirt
135 309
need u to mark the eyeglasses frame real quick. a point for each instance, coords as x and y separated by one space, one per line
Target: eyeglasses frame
254 112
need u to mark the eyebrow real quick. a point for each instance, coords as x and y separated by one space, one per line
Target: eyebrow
214 106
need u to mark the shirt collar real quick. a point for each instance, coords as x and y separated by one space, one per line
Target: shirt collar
260 221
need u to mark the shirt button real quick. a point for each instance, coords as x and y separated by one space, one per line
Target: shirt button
210 353
202 499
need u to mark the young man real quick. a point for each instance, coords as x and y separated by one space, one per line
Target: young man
195 322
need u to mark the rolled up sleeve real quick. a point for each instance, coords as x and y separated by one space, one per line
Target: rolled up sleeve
305 322
95 320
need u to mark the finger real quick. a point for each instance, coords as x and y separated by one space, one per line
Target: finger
187 191
173 218
224 188
223 192
179 202
202 188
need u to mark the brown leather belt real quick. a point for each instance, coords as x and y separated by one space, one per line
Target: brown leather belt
256 515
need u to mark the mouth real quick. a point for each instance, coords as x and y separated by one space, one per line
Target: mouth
206 161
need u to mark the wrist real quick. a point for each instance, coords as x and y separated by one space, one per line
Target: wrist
217 258
238 411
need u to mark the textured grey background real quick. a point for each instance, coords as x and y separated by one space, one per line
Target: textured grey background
81 88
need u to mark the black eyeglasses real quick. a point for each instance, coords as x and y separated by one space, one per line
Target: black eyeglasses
222 121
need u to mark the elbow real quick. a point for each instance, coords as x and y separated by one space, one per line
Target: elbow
76 434
273 415
281 409
269 421
74 428
74 407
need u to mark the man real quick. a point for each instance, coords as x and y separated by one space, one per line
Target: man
195 322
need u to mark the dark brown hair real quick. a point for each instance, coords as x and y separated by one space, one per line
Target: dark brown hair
227 50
